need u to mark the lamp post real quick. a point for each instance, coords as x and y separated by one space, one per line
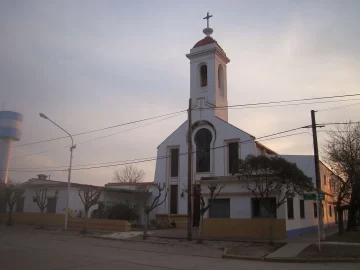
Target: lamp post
69 174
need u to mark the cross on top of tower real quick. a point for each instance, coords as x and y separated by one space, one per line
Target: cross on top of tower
207 18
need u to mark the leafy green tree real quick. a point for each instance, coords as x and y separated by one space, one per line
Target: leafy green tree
272 180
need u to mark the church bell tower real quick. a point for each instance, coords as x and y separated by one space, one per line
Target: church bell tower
208 83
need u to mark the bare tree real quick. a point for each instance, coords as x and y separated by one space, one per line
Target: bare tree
13 193
198 195
272 180
89 196
42 202
342 152
129 174
155 203
341 190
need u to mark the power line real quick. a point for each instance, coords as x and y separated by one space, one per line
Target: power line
294 104
282 101
339 107
250 105
339 123
100 129
123 131
162 157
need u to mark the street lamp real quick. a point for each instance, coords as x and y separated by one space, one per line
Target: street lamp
69 174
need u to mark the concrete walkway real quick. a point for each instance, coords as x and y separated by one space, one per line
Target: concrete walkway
290 250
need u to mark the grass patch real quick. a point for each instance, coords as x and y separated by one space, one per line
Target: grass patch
254 249
330 251
350 237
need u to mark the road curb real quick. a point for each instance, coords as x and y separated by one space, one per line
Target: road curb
290 260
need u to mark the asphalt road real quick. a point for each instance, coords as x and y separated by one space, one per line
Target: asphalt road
26 249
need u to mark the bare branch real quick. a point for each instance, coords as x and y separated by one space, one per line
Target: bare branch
129 174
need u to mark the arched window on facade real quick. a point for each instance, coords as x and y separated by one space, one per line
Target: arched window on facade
203 75
203 138
220 77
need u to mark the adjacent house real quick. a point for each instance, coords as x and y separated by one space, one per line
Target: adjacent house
134 194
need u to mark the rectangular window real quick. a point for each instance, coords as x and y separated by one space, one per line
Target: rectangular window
220 208
174 199
330 211
322 210
174 168
233 156
261 207
324 180
315 210
302 209
51 207
290 208
20 205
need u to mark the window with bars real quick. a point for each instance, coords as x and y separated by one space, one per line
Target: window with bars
302 209
233 156
174 162
315 210
261 207
290 208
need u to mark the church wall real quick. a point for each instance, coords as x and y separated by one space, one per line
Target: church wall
196 91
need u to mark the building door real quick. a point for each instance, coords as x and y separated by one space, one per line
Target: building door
196 205
220 208
51 207
20 205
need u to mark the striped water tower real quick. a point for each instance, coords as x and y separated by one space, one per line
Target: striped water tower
10 130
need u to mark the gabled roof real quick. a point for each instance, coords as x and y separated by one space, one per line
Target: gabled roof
267 149
236 127
54 184
171 134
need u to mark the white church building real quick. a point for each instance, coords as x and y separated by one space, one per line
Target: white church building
216 144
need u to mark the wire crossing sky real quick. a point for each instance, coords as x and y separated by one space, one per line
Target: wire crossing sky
90 65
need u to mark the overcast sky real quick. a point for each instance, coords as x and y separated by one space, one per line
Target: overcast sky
93 64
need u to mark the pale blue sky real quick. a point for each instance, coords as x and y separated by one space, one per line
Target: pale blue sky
92 64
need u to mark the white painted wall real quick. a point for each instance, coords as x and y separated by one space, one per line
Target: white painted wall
306 164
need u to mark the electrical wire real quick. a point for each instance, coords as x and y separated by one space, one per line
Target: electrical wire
100 129
249 105
98 138
282 101
162 157
339 107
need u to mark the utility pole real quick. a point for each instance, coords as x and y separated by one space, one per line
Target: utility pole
189 184
318 179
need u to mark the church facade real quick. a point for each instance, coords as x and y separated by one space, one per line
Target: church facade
216 145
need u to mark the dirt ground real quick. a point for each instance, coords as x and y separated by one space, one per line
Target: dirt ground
254 249
330 251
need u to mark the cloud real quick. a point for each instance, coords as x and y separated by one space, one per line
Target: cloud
89 65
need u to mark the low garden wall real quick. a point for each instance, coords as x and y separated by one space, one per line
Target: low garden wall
255 228
180 220
57 220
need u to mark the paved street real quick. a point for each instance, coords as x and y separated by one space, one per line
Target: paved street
26 249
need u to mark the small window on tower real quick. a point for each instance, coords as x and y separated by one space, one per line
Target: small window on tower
203 75
220 77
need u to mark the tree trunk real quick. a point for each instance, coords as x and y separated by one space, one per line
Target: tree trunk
42 225
351 225
10 217
201 229
146 226
271 236
86 221
341 220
